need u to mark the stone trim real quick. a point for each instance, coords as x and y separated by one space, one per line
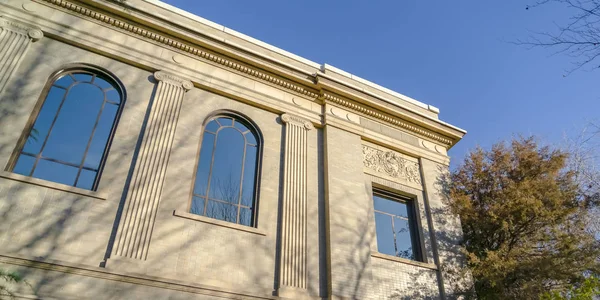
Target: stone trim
174 80
15 38
293 268
386 118
251 71
298 121
404 260
391 164
145 188
52 185
198 52
126 277
194 217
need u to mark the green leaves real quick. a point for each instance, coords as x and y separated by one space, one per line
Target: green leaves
522 213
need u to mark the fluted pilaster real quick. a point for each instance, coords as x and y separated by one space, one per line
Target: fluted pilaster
133 236
293 273
15 39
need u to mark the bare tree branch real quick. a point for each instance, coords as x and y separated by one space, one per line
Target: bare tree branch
578 37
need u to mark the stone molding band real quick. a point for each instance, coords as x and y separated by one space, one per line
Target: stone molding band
231 64
145 189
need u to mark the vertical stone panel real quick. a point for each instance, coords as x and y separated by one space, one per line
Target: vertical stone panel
139 213
348 211
15 39
446 228
293 273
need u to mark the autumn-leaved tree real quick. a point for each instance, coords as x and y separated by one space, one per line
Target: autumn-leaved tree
524 218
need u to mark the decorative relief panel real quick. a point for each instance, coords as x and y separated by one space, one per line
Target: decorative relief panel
391 164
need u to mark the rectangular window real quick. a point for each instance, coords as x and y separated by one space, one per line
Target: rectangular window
396 225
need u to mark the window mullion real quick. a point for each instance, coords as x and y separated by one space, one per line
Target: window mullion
87 147
212 161
39 155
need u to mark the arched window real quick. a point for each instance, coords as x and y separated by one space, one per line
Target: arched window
68 140
226 177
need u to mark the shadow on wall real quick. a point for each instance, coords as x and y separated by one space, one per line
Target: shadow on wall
54 225
447 238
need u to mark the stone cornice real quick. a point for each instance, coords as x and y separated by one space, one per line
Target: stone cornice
173 43
232 64
388 119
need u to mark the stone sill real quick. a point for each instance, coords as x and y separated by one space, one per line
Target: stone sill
190 216
52 185
404 260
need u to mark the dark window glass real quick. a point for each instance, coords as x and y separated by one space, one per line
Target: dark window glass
225 184
395 226
68 141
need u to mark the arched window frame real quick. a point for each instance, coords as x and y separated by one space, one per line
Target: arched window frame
259 149
55 76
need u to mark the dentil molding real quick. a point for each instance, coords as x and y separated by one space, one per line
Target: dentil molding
239 67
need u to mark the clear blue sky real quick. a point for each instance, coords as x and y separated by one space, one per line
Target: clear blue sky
455 55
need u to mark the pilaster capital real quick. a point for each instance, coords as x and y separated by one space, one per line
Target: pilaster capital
173 79
298 121
34 33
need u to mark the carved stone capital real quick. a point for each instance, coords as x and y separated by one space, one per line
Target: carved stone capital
173 79
35 34
32 32
298 121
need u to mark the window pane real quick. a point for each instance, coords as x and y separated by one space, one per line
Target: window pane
197 206
103 84
385 234
390 206
83 77
246 216
222 211
241 127
101 135
249 176
203 170
73 128
44 120
403 240
113 96
227 166
55 172
225 121
250 138
24 165
64 81
86 179
213 126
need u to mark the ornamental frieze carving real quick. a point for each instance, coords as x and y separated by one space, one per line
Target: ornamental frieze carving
392 164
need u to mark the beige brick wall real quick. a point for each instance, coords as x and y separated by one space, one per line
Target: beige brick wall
50 223
349 210
47 221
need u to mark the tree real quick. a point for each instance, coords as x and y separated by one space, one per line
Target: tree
8 279
578 37
523 217
585 291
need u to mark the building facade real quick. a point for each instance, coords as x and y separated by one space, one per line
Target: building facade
148 153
